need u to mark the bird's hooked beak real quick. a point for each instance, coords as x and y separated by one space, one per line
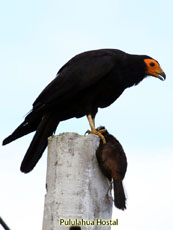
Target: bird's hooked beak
161 76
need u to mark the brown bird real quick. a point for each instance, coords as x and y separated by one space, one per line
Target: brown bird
90 80
113 164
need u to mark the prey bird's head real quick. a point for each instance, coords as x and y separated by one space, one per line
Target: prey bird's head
153 69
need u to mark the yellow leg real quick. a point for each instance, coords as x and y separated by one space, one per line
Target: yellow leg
91 122
94 131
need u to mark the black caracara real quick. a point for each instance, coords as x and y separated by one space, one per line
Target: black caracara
113 164
90 80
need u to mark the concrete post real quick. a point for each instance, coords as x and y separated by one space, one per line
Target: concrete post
76 188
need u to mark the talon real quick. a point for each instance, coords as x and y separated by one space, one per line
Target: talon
101 130
101 137
98 133
87 132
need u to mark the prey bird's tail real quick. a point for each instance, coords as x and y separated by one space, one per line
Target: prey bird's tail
119 195
46 128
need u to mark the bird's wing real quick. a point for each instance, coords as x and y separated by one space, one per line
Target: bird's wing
79 73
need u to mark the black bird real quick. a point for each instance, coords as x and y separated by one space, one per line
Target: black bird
113 164
90 80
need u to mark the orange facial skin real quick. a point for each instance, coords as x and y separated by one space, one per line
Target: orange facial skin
154 69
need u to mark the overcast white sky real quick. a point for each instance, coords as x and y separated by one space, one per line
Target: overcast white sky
37 38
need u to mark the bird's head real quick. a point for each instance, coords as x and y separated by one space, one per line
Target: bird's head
153 69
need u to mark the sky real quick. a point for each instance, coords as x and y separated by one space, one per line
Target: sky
36 39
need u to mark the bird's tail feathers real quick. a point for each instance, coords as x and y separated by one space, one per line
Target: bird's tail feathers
119 195
45 129
23 129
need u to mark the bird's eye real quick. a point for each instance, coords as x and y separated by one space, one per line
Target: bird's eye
152 64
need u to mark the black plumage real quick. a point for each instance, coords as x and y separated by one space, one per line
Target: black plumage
113 164
88 81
